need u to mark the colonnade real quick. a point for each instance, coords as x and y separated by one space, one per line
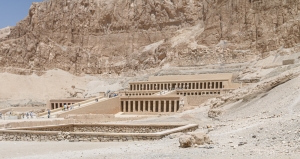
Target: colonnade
150 106
139 94
181 85
59 105
198 93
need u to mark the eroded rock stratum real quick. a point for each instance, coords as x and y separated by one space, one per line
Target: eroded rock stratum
125 36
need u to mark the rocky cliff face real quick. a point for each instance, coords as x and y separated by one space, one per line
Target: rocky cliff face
125 36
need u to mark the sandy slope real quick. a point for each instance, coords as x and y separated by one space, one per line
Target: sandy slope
55 84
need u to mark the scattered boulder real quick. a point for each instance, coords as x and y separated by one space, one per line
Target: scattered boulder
213 113
200 138
195 138
185 141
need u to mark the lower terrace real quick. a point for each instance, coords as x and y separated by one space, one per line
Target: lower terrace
95 132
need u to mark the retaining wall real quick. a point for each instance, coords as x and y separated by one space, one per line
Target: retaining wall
43 136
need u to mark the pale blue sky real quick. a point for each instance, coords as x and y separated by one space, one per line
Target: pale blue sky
12 11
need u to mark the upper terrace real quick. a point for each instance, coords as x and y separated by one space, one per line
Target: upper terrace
203 81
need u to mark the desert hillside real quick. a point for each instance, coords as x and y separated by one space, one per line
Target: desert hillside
122 36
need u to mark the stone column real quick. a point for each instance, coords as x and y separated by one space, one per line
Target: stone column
129 106
170 105
165 106
175 106
124 106
144 106
139 106
154 106
159 106
134 106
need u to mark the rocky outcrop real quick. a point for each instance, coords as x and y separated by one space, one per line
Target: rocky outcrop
122 36
185 141
194 138
4 32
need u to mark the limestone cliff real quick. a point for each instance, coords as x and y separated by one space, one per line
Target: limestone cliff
124 36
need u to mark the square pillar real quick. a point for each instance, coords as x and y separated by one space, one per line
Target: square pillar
170 105
175 106
154 106
165 106
129 106
134 106
124 106
144 106
139 106
159 106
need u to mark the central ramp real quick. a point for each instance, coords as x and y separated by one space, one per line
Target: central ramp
103 106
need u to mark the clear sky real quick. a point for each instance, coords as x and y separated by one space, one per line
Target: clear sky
13 11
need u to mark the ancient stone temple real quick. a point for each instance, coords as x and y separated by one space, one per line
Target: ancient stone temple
158 95
166 94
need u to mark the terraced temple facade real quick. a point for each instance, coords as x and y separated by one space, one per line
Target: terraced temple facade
166 94
163 94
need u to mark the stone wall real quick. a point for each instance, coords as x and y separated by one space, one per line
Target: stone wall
123 129
104 128
29 136
43 136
